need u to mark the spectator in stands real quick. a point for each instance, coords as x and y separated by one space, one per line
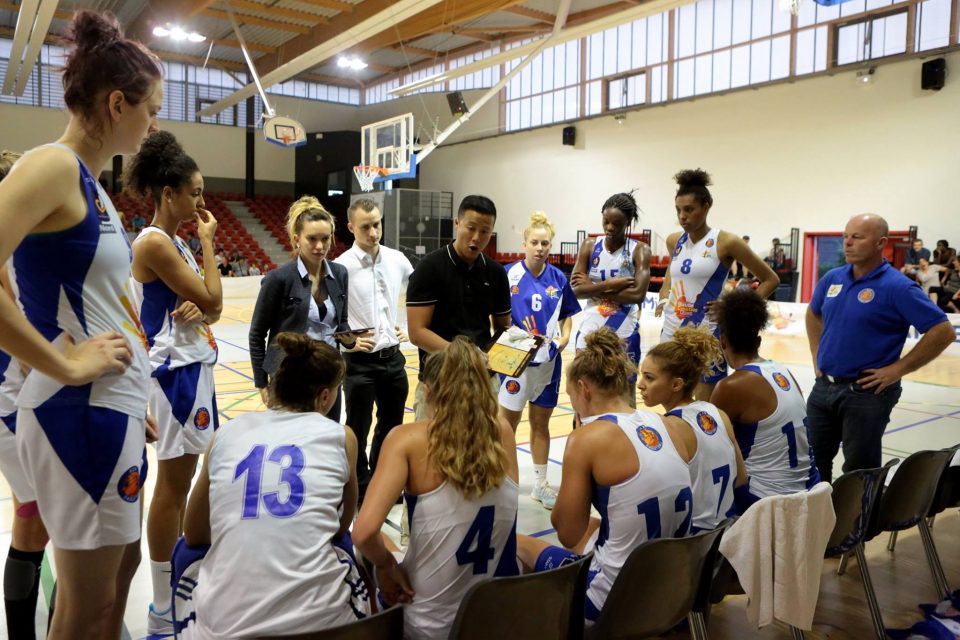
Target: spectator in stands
139 222
235 265
193 242
221 257
928 277
224 268
943 255
737 271
950 300
254 269
777 257
914 253
244 267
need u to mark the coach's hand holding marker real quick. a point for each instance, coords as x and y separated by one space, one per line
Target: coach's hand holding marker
95 357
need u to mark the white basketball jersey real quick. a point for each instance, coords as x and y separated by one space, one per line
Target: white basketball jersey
76 282
696 277
276 482
775 450
713 469
172 343
655 503
11 379
539 303
624 319
454 544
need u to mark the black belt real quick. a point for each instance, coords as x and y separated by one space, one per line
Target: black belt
839 380
384 354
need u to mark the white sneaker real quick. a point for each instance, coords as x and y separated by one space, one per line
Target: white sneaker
544 494
159 623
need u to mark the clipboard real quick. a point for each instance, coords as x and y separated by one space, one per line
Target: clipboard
506 358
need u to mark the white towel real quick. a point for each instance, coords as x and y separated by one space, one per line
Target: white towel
777 549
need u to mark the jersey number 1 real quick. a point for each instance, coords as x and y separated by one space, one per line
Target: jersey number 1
291 461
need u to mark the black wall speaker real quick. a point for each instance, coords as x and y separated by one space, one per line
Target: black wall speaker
933 74
569 136
457 105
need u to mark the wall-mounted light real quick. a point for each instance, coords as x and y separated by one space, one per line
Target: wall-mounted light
620 118
865 77
178 33
351 63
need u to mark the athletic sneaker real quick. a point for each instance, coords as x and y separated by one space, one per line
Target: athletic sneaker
159 623
544 494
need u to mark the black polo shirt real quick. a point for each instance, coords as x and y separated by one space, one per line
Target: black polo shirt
463 297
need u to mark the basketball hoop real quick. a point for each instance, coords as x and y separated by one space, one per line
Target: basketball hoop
793 6
366 174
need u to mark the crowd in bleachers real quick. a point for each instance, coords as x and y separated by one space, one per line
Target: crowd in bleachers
938 273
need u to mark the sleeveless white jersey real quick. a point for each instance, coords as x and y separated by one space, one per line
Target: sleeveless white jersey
775 450
454 544
697 276
11 379
172 343
624 319
713 469
76 282
276 482
655 503
540 303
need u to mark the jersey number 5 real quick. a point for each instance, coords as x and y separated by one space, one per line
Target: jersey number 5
291 461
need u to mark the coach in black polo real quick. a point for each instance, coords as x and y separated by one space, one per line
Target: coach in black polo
456 290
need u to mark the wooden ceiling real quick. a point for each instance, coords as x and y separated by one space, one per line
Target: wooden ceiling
277 31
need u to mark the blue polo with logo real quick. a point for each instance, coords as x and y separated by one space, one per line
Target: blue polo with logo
865 321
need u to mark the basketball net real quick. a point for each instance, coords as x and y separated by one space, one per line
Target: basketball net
793 6
366 174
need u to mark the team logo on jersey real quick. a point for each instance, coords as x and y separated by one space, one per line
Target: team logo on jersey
781 381
706 254
710 243
201 420
706 423
607 307
552 292
129 485
514 290
866 295
513 387
134 326
204 331
596 261
834 290
649 437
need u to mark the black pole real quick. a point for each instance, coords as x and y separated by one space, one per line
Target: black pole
249 181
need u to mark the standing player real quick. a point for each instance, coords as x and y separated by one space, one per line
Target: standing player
21 573
668 377
764 402
630 465
276 488
613 272
700 260
458 473
176 305
543 304
81 411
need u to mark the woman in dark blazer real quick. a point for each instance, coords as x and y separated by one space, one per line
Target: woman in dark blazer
307 295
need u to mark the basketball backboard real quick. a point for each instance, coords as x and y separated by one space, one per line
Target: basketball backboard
284 131
388 144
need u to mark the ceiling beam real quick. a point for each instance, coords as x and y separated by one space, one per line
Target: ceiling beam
235 44
483 36
312 18
336 5
59 13
419 51
533 14
530 28
261 22
599 12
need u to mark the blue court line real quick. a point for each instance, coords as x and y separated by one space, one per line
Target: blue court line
240 373
917 424
557 462
227 342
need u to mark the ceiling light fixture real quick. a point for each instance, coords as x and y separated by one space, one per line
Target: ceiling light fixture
178 33
351 63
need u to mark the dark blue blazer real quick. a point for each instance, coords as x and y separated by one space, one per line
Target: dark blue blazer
283 305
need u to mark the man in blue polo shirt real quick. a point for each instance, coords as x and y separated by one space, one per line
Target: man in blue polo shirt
857 323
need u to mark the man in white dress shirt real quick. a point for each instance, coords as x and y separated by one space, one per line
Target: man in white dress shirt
377 275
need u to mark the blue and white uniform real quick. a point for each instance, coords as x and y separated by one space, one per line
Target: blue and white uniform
776 450
713 469
182 356
539 304
623 319
697 276
454 544
11 379
276 485
655 503
83 447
